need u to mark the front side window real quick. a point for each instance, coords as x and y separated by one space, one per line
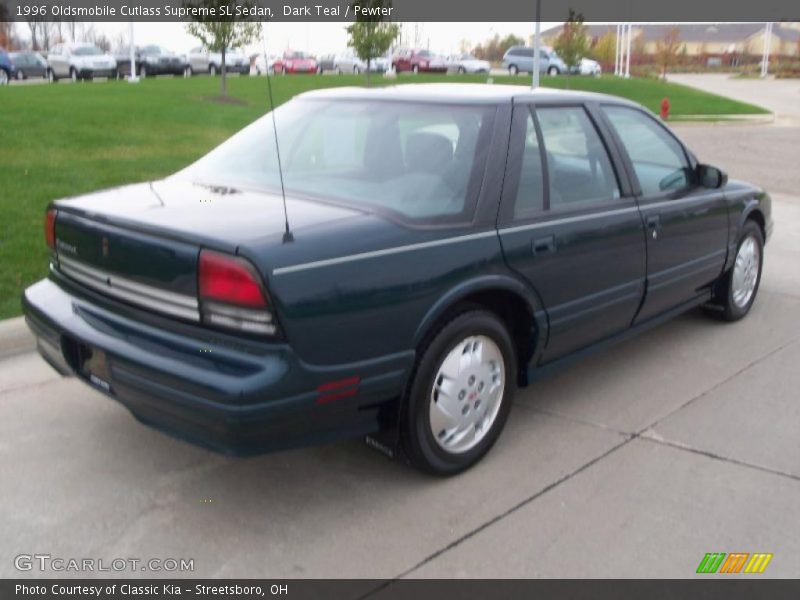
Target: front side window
578 165
658 159
87 51
419 161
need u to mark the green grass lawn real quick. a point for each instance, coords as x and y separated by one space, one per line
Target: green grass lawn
61 140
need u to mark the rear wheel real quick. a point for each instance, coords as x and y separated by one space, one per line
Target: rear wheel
462 70
513 69
212 70
415 69
461 393
20 75
142 71
553 71
3 77
51 77
73 74
736 291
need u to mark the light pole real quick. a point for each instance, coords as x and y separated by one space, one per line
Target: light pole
617 46
537 44
133 78
628 52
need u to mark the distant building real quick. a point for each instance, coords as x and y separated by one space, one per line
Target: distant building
705 38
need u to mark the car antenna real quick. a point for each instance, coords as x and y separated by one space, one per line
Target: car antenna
288 236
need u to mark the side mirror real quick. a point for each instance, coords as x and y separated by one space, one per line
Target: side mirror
711 177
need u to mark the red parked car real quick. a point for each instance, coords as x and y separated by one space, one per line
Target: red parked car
295 62
418 61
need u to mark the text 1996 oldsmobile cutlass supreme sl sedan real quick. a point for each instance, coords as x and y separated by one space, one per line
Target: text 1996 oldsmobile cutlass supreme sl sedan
448 244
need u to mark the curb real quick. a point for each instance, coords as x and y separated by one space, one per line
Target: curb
15 338
763 119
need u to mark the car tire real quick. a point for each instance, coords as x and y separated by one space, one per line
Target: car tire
187 71
3 77
212 70
513 70
356 70
51 77
20 75
461 70
143 71
735 292
415 69
471 419
553 71
73 74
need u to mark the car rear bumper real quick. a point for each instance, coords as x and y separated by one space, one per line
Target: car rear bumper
96 72
205 388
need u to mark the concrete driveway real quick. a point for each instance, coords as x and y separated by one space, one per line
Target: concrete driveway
634 463
781 96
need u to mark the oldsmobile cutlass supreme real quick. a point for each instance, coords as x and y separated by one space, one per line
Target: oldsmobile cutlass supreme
448 243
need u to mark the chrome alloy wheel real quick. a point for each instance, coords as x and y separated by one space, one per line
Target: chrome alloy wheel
466 395
745 272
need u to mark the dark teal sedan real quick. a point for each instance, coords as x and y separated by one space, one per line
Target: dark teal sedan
440 245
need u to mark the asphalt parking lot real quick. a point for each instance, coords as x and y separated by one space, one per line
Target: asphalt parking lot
633 463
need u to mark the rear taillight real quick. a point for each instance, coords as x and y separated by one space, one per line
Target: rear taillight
50 228
232 295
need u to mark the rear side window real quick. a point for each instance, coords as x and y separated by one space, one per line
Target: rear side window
658 159
578 165
531 177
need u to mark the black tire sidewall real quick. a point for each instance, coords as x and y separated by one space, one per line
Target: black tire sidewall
732 311
421 447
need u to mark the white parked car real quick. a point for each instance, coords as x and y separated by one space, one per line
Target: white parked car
201 60
79 61
348 62
263 64
587 66
466 63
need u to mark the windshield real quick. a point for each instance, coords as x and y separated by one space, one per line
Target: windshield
296 55
416 160
87 51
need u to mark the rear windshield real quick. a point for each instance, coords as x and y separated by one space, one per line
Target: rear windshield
418 161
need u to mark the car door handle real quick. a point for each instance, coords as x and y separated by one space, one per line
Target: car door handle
545 245
653 225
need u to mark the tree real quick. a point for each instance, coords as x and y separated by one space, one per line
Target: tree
572 43
605 49
219 36
494 48
667 49
370 36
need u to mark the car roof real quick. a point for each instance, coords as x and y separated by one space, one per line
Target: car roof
460 93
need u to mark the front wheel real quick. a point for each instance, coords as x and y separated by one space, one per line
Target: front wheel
553 71
736 291
212 70
3 77
51 77
20 75
415 69
461 394
513 70
73 74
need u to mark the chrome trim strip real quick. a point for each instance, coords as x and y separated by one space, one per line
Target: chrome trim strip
179 305
384 252
464 238
575 219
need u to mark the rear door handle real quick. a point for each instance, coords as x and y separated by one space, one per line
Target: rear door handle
653 225
545 245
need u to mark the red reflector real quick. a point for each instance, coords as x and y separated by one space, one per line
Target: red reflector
341 388
50 228
229 279
339 383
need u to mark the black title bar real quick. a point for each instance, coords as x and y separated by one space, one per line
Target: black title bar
405 10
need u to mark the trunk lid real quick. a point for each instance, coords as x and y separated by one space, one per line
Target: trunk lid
140 243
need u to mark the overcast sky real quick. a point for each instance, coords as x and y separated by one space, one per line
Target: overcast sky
323 38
